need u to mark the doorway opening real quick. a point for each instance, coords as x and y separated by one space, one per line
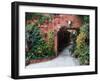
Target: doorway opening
63 38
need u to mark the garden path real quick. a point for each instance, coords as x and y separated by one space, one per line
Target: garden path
64 59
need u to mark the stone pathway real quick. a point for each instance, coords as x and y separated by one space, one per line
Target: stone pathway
64 59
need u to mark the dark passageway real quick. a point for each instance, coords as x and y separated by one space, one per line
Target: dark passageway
63 38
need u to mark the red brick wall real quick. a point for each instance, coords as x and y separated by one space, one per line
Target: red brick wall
57 22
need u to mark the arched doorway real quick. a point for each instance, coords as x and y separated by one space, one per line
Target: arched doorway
63 38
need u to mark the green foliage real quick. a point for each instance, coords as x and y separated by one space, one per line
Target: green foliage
29 27
29 16
37 47
42 19
86 19
34 42
82 45
38 16
50 42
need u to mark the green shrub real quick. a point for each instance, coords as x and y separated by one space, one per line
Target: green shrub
82 45
36 45
34 42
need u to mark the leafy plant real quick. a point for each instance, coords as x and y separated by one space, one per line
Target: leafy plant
42 19
36 46
37 16
50 42
82 45
86 19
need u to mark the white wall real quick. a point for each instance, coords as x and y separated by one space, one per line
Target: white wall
5 38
